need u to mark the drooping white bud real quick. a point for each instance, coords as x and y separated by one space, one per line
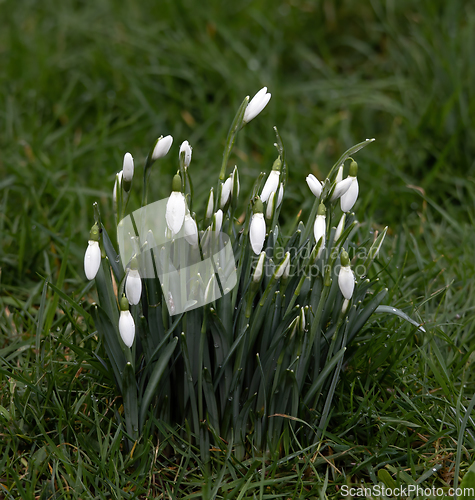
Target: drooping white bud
176 207
186 149
162 146
128 167
346 278
256 105
92 259
320 227
315 185
133 287
348 199
127 328
257 229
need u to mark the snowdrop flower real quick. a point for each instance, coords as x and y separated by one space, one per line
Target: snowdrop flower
209 208
92 257
226 190
186 149
272 182
162 146
319 228
256 277
126 323
133 284
340 227
346 278
128 168
270 205
341 188
280 195
315 185
218 220
257 230
117 186
236 185
256 105
284 269
176 207
348 199
191 230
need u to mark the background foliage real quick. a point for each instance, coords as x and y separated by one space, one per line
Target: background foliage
82 83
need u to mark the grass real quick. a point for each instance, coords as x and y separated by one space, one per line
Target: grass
82 83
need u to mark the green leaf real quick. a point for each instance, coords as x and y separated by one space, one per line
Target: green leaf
129 395
398 312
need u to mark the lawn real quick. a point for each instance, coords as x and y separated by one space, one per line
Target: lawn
82 83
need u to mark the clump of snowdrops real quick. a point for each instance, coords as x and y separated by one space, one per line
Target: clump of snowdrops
258 366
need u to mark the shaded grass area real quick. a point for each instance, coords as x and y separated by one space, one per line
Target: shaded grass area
83 83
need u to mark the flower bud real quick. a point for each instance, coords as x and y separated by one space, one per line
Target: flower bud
346 278
319 228
348 199
256 277
185 149
270 205
176 207
315 185
92 257
257 230
128 168
126 323
226 190
272 184
218 220
280 196
133 284
339 229
256 105
191 230
284 269
162 146
209 207
339 175
236 184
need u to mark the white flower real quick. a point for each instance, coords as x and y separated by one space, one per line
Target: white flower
346 282
191 230
256 105
226 191
128 167
127 328
346 278
341 188
116 187
315 185
162 146
92 259
257 232
186 148
339 228
209 208
175 211
280 195
349 198
133 287
218 220
284 269
272 183
270 205
256 277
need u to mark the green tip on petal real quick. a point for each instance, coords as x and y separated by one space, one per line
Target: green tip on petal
176 184
258 207
124 303
353 169
321 209
95 232
345 260
277 164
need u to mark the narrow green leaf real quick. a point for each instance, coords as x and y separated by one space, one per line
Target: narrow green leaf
129 395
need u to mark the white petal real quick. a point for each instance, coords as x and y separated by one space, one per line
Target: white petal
342 187
315 185
218 217
272 183
92 259
280 195
162 147
133 287
209 208
128 167
127 328
349 198
191 231
339 175
256 105
226 191
339 228
346 282
175 212
319 231
257 232
185 146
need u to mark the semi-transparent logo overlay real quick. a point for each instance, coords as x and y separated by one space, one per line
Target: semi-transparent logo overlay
191 274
